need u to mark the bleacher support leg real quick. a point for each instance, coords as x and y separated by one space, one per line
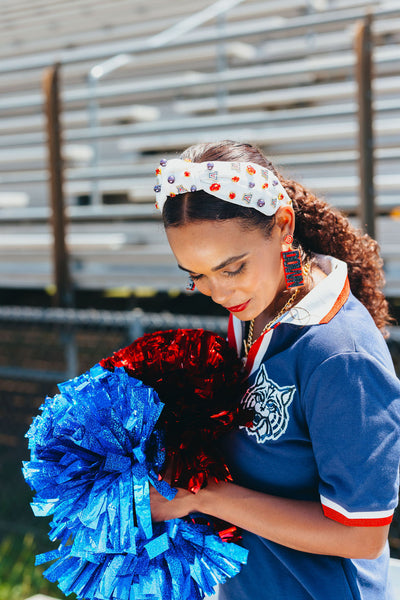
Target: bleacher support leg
63 296
363 48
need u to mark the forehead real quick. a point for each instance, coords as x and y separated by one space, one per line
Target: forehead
202 245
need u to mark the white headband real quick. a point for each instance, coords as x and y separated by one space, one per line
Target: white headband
241 183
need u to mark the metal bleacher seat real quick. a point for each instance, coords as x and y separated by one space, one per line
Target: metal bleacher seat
278 73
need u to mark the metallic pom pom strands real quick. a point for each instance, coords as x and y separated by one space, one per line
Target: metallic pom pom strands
244 184
95 449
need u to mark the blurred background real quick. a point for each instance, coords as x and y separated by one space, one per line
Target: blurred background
92 95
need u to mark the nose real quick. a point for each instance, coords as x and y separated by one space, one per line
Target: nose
220 293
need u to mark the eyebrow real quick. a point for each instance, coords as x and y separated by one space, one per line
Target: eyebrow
222 265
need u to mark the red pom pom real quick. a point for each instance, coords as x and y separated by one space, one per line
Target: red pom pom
200 380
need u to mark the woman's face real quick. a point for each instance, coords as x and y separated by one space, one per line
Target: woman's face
239 268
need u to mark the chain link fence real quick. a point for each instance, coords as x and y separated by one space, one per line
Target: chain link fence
40 347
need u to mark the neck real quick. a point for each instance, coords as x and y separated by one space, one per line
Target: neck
282 297
273 310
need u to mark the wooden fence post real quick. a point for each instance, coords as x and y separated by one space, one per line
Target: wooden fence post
64 293
363 49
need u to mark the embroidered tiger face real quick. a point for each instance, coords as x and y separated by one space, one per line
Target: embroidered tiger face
270 403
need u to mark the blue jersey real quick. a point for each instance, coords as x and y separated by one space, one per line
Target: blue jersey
326 429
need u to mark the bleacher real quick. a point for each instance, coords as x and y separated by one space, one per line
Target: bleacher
280 74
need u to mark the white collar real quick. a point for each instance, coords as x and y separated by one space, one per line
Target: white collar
319 306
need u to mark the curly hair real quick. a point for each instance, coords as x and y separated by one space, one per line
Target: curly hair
319 228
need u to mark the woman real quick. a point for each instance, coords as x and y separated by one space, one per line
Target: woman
316 475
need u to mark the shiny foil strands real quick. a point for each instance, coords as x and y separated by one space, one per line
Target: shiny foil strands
101 442
200 380
94 451
183 561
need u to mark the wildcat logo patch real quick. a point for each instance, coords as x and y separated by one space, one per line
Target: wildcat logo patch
270 403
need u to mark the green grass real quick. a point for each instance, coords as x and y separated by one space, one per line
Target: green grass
22 535
19 578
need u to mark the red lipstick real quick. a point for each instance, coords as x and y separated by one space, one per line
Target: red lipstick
239 307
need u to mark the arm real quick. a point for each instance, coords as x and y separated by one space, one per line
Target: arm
293 523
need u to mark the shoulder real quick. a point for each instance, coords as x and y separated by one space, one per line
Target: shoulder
351 332
346 365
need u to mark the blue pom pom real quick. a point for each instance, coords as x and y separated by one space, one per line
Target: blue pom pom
93 454
181 562
95 451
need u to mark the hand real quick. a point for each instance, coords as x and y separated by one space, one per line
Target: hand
164 510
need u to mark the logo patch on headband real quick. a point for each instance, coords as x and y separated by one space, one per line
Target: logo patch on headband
247 198
213 175
181 190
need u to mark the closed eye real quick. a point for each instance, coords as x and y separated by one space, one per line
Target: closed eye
195 277
233 273
228 273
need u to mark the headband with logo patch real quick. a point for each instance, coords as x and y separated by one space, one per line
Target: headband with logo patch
242 183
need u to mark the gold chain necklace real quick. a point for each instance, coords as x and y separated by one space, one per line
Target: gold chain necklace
249 342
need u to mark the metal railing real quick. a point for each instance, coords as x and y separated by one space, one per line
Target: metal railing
55 344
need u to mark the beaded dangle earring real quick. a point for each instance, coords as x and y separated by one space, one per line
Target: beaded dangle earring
292 265
190 285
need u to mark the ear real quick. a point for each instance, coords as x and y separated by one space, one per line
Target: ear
285 220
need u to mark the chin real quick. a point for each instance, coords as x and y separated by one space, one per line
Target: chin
245 315
240 316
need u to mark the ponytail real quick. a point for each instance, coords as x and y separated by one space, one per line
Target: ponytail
321 229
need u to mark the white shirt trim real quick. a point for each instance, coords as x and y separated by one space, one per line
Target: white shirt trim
375 514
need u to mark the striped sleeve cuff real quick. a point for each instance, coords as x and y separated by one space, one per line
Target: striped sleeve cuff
375 518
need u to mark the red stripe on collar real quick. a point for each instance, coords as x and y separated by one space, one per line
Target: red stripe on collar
231 334
340 301
255 348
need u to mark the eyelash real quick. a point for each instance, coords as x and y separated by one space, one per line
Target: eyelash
233 273
228 273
